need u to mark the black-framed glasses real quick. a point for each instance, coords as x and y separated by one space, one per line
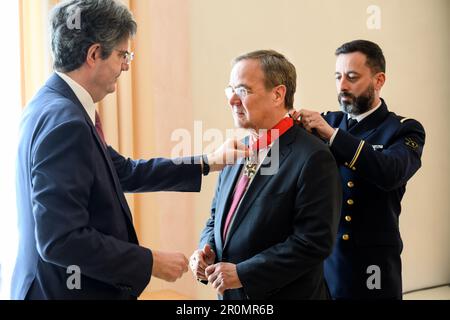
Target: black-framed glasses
241 92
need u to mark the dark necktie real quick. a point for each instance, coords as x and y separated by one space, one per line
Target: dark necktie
350 123
98 127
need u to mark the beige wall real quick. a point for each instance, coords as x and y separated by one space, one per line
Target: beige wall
184 49
183 53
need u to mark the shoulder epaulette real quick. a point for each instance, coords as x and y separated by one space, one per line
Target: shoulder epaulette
404 119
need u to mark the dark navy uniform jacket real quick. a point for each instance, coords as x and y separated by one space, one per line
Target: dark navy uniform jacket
376 158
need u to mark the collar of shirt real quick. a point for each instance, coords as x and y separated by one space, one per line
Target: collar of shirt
262 153
360 117
82 95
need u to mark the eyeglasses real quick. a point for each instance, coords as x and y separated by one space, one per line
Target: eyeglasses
241 92
128 56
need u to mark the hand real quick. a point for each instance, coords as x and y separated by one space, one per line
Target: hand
314 120
169 266
223 276
228 153
201 259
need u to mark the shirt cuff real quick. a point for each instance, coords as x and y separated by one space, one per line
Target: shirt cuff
333 136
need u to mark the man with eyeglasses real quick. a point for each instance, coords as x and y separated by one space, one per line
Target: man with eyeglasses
77 239
273 217
377 152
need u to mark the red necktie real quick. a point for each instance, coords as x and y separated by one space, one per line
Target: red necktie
98 127
262 142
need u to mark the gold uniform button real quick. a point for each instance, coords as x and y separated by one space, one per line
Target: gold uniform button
345 237
350 202
350 184
348 218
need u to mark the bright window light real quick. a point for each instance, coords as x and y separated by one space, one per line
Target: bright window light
10 116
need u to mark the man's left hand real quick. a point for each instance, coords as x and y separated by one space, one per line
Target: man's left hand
223 276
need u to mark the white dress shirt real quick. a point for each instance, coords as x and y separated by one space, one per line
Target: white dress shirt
82 95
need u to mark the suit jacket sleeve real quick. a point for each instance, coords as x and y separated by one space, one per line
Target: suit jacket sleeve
317 207
62 174
388 169
181 174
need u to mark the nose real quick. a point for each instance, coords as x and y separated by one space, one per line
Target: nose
125 66
342 84
234 100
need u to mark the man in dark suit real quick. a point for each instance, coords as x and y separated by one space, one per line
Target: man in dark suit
77 239
377 152
273 219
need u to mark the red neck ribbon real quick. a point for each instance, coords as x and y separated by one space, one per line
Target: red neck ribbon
271 135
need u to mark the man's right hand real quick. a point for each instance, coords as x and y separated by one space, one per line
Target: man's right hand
169 266
200 260
228 153
313 120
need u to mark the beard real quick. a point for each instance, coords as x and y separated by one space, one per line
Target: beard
356 105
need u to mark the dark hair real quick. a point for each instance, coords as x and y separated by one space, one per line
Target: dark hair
106 22
277 71
374 54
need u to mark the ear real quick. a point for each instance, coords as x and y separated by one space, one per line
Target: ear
380 78
93 54
279 94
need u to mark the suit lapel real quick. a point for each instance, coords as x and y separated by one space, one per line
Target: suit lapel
58 84
261 181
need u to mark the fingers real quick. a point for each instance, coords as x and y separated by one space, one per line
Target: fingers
216 276
185 264
241 149
202 265
219 284
201 275
198 262
235 151
295 114
169 266
209 255
207 249
181 267
210 270
309 119
228 153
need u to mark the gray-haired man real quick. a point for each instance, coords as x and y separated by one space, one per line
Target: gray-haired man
77 239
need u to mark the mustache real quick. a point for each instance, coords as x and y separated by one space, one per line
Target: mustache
346 94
